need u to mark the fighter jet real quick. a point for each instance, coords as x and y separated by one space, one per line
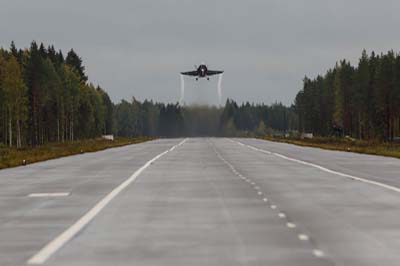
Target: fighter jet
202 72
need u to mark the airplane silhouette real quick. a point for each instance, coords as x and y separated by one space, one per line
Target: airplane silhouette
202 72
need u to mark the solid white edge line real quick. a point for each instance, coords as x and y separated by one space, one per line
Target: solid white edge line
46 252
368 181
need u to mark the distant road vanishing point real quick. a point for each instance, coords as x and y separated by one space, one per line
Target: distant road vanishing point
203 201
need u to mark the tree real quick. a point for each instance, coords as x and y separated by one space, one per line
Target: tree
362 94
71 93
75 62
339 100
125 119
3 102
261 129
108 111
384 95
48 98
16 100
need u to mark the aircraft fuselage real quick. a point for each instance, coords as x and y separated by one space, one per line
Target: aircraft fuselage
202 71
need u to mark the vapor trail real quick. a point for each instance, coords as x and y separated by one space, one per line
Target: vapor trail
220 89
182 90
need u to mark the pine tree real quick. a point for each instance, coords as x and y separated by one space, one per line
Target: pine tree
75 61
71 100
3 102
362 95
16 99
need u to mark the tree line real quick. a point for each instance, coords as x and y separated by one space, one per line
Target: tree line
360 101
172 120
46 97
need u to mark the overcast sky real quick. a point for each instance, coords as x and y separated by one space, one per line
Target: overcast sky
266 47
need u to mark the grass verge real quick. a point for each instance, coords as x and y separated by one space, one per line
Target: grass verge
349 145
11 157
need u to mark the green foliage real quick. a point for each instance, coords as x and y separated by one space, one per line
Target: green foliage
261 129
44 98
201 120
361 102
15 99
345 144
172 120
74 61
10 157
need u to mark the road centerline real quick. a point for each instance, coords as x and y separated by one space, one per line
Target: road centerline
49 194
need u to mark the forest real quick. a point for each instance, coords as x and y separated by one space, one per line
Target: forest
360 101
172 120
46 97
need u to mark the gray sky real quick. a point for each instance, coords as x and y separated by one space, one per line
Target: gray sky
137 48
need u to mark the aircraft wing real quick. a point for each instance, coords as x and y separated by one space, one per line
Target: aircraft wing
190 73
214 72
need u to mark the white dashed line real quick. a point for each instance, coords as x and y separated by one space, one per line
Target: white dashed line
46 252
291 225
318 253
282 215
303 237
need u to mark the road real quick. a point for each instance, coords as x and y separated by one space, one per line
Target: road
203 201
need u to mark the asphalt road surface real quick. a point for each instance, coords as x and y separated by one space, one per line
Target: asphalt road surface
203 202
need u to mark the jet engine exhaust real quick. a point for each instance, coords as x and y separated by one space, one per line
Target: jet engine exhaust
219 89
182 90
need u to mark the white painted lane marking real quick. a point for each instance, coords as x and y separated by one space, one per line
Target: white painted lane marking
259 193
303 237
46 252
251 147
265 199
282 215
46 195
273 207
291 225
361 179
318 253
